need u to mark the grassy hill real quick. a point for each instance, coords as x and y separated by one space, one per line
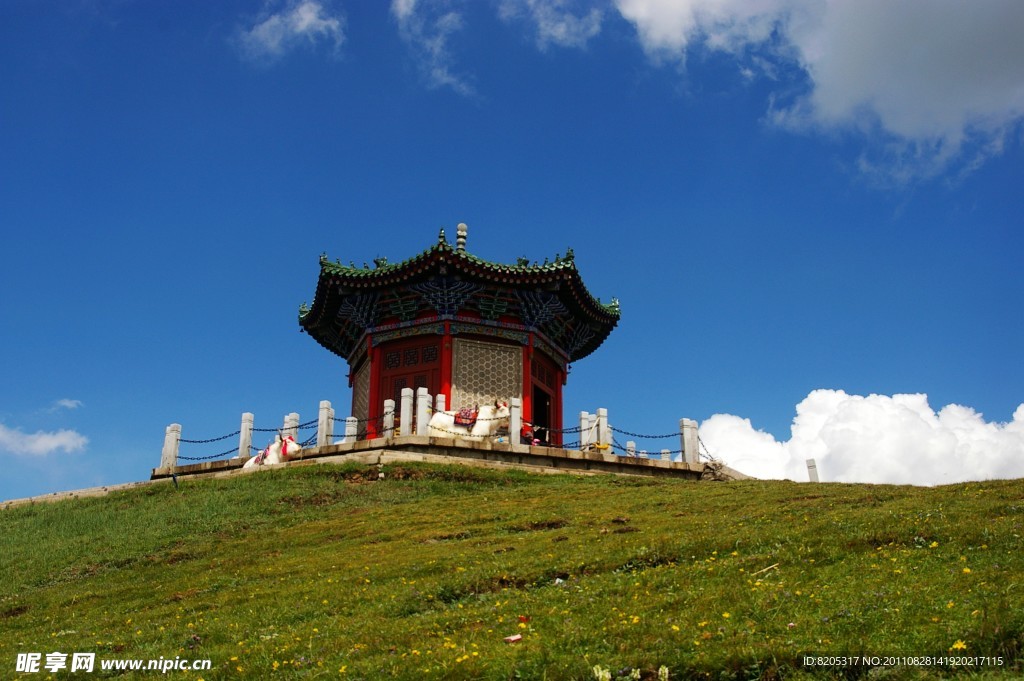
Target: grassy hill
327 572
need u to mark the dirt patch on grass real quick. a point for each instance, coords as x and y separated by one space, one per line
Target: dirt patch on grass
538 525
13 612
454 536
183 595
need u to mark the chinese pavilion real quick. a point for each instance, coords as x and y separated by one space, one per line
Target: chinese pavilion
469 329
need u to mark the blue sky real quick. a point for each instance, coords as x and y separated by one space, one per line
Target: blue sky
810 212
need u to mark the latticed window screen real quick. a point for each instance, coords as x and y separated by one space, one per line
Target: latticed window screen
361 395
484 372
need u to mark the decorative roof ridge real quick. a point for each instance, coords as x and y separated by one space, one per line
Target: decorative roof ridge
456 252
381 264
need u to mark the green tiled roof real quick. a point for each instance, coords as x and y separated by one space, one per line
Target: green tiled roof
570 312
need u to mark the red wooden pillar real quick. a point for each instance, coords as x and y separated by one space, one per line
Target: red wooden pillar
446 365
527 383
376 407
556 435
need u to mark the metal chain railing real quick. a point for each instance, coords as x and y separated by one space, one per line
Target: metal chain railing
706 453
645 437
344 419
574 429
212 439
302 426
636 453
211 457
379 421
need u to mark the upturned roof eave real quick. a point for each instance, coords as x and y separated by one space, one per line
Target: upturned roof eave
334 276
526 275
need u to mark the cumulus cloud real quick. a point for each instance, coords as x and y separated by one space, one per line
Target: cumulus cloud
930 83
927 86
305 22
67 404
879 439
668 27
427 27
557 22
40 443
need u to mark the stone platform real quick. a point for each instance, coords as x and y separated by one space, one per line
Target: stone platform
485 453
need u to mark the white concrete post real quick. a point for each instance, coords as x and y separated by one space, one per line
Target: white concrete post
812 470
351 430
643 454
584 430
325 424
291 426
405 415
604 435
439 402
515 421
422 411
630 448
389 419
688 440
172 438
245 436
665 455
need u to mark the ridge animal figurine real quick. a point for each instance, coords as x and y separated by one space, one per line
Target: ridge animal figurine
489 418
283 448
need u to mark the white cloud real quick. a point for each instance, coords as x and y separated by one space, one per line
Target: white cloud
931 83
667 27
40 443
879 439
67 404
298 23
427 26
555 21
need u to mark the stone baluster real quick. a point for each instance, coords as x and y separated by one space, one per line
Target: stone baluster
604 434
245 435
172 439
405 415
515 422
812 470
422 411
325 425
291 426
689 441
389 419
351 430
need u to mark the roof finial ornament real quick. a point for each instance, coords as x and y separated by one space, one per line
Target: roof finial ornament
460 239
441 238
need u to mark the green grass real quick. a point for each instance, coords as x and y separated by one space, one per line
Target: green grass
326 572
